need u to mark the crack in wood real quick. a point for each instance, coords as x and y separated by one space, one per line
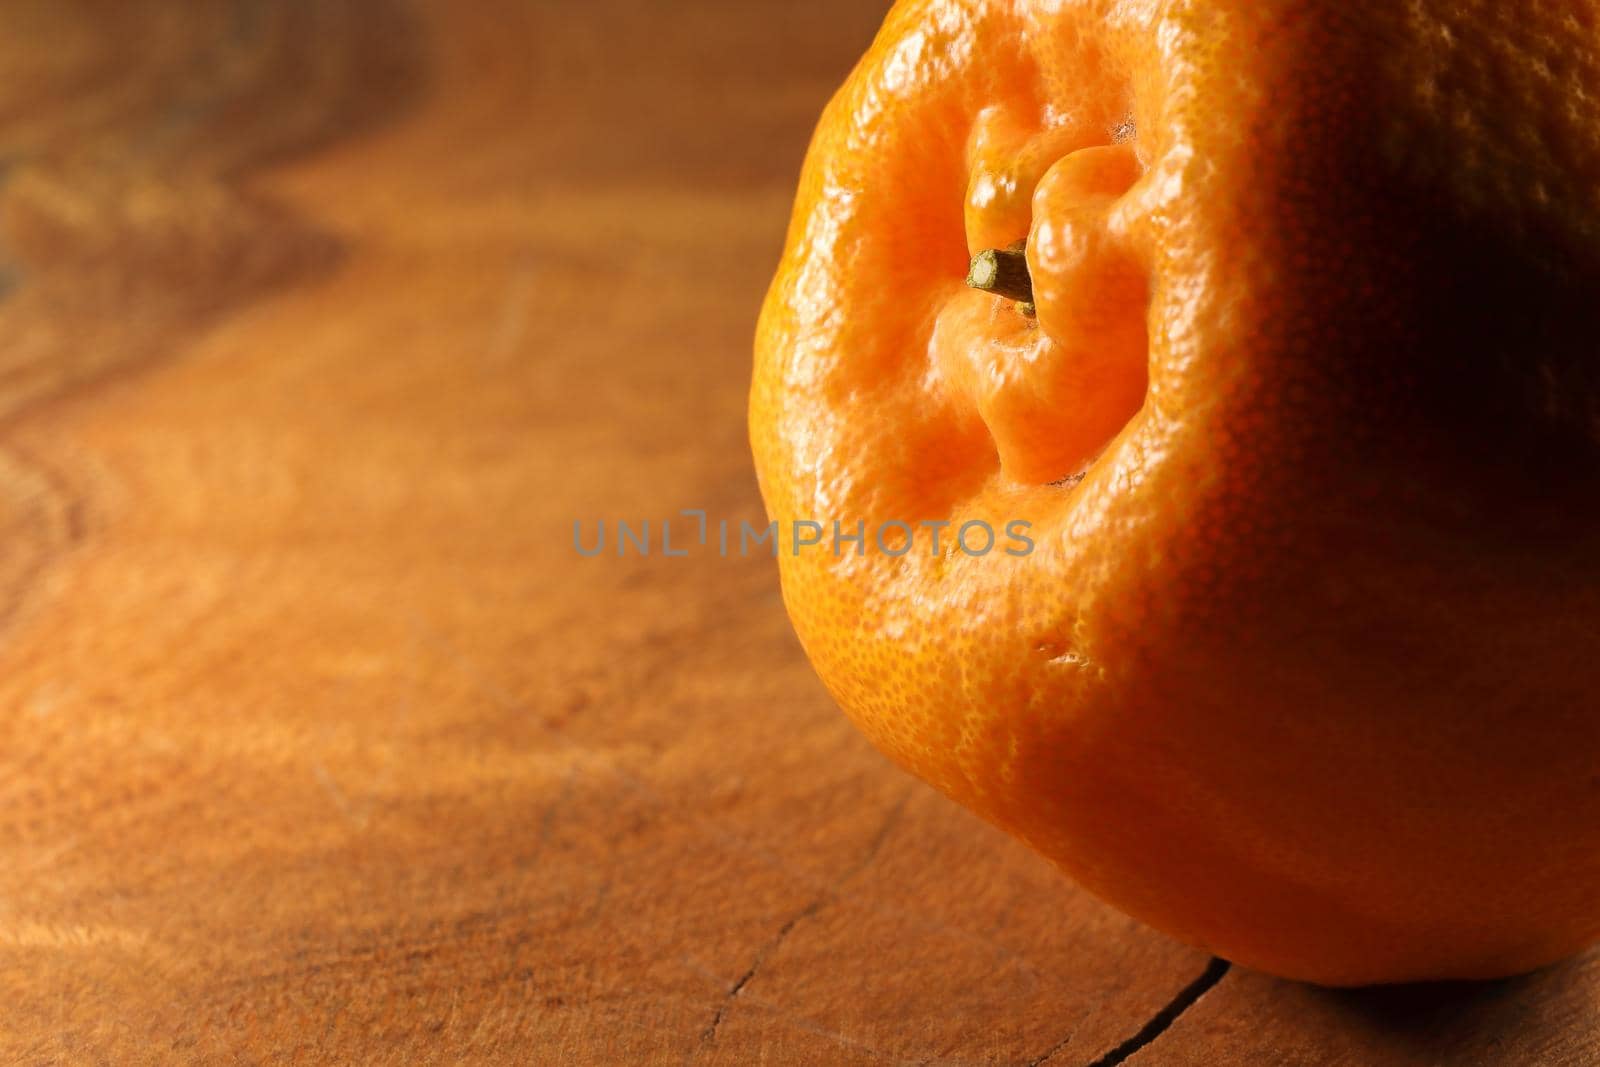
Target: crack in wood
709 1034
1158 1023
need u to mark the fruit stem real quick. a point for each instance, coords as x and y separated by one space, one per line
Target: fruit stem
1003 272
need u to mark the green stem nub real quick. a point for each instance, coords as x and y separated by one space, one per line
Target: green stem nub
1003 272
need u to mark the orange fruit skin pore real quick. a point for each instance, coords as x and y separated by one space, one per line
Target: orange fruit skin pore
1303 666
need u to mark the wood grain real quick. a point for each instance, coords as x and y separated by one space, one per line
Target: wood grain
322 744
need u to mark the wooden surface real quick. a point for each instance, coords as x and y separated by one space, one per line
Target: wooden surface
323 323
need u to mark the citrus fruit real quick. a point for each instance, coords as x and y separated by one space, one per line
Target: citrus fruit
1277 390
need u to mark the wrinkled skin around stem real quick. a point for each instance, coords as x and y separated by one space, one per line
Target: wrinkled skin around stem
1304 667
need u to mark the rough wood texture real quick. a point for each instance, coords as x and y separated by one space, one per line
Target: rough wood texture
321 743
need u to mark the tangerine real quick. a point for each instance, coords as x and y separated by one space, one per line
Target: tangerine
1297 394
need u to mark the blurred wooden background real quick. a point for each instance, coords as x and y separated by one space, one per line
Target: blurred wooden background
322 323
